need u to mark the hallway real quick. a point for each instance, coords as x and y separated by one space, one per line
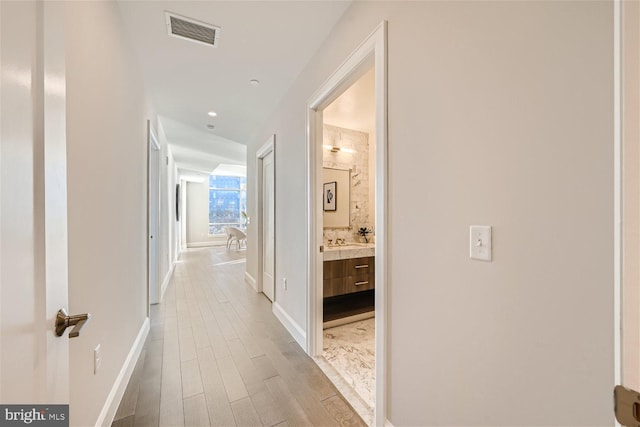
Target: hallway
217 356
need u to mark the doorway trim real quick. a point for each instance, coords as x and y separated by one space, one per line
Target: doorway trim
618 195
373 50
153 295
627 188
268 147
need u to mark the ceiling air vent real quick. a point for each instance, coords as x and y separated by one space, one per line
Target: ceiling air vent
190 29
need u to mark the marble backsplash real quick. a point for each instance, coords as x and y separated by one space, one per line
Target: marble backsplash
358 162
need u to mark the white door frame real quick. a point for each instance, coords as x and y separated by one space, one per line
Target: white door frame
153 216
372 51
627 189
617 217
626 194
268 147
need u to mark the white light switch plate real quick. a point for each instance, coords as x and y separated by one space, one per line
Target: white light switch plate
97 358
480 242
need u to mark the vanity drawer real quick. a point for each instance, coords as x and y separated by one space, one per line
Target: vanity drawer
333 287
348 285
334 269
360 266
359 283
348 267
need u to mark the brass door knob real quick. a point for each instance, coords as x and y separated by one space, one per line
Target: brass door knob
63 321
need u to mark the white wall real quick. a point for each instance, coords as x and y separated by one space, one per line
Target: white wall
175 224
500 113
168 232
183 213
106 152
197 216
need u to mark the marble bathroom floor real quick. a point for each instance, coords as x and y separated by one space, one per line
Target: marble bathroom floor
350 350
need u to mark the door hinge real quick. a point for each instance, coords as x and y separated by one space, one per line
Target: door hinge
322 248
626 405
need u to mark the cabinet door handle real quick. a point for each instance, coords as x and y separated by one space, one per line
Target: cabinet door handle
362 266
362 283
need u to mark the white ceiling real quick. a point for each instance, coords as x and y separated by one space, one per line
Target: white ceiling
356 108
270 41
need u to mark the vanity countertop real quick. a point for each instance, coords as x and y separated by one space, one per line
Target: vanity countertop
351 250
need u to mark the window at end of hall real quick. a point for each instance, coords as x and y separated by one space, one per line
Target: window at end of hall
227 203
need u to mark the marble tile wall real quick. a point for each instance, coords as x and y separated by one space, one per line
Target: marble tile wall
358 162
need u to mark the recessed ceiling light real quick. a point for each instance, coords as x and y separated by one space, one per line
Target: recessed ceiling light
211 127
212 113
254 82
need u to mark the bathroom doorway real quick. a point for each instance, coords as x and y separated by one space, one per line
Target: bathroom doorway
348 231
347 215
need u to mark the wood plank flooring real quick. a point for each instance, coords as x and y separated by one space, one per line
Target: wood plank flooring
217 356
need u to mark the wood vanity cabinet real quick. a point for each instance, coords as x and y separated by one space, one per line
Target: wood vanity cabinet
346 276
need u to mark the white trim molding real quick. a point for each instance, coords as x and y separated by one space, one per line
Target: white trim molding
372 52
153 139
167 279
250 280
268 147
122 380
290 325
618 368
206 244
387 423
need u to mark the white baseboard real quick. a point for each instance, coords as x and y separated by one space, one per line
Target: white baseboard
250 280
167 279
290 325
204 244
119 386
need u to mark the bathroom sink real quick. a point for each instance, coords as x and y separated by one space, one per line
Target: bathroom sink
343 247
352 250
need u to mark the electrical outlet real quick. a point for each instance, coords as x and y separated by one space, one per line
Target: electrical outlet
97 358
284 283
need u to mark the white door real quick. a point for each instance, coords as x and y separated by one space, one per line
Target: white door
268 226
153 213
34 368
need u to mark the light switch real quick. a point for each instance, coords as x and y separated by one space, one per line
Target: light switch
480 242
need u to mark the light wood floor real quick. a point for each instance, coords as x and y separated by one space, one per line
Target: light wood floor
217 356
